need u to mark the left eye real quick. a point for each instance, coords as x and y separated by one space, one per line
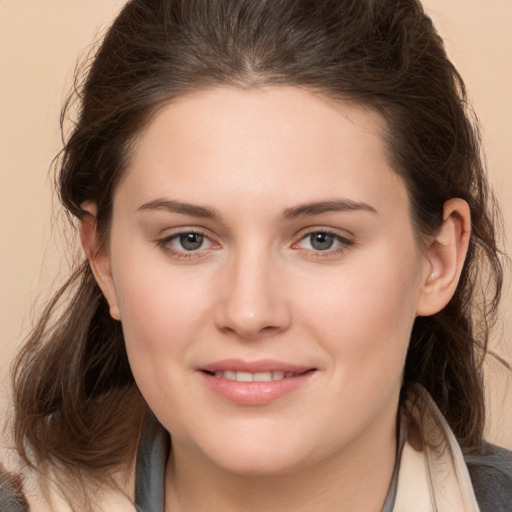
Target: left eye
321 241
190 241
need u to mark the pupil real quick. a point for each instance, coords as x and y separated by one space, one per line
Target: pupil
321 241
191 241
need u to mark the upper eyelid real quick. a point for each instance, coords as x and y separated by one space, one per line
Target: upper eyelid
171 233
342 235
167 245
343 243
176 236
335 235
164 239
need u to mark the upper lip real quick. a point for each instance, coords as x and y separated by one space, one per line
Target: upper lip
263 365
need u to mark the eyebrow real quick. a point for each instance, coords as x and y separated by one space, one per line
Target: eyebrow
333 205
179 207
303 210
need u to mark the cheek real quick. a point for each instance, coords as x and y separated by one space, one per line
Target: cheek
363 322
160 317
155 299
161 312
364 313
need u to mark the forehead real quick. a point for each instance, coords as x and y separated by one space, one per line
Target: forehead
284 143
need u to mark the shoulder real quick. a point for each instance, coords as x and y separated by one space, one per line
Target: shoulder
11 496
491 475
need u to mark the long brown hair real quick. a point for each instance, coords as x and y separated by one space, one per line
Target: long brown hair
76 401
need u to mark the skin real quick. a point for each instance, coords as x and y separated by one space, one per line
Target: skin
257 288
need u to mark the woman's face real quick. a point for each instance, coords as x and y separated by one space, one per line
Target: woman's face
265 270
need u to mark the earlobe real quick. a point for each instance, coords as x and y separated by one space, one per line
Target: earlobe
98 256
445 258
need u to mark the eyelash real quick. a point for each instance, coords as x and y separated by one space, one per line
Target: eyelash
343 244
165 245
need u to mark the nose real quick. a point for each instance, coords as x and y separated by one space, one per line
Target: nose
252 301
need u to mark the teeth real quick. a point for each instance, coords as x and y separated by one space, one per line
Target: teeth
262 377
253 377
244 377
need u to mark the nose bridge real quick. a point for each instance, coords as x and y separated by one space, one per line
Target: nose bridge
252 300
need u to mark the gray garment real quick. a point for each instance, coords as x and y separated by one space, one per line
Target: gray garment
152 458
491 473
11 496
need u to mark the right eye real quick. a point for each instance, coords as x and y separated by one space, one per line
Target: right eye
190 241
186 243
321 241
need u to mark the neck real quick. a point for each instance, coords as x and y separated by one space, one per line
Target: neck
340 482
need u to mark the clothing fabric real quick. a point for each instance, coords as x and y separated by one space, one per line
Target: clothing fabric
491 475
152 458
431 474
150 470
11 497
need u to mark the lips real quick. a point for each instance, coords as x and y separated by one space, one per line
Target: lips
260 366
254 383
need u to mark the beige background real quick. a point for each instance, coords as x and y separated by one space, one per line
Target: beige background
39 43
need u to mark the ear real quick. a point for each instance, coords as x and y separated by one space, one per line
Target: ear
445 257
98 256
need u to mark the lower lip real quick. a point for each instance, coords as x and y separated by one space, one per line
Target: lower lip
255 393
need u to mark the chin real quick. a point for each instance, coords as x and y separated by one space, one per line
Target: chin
260 463
263 452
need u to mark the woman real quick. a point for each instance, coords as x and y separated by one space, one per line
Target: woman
285 219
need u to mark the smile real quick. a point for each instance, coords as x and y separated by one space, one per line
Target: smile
254 383
241 376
